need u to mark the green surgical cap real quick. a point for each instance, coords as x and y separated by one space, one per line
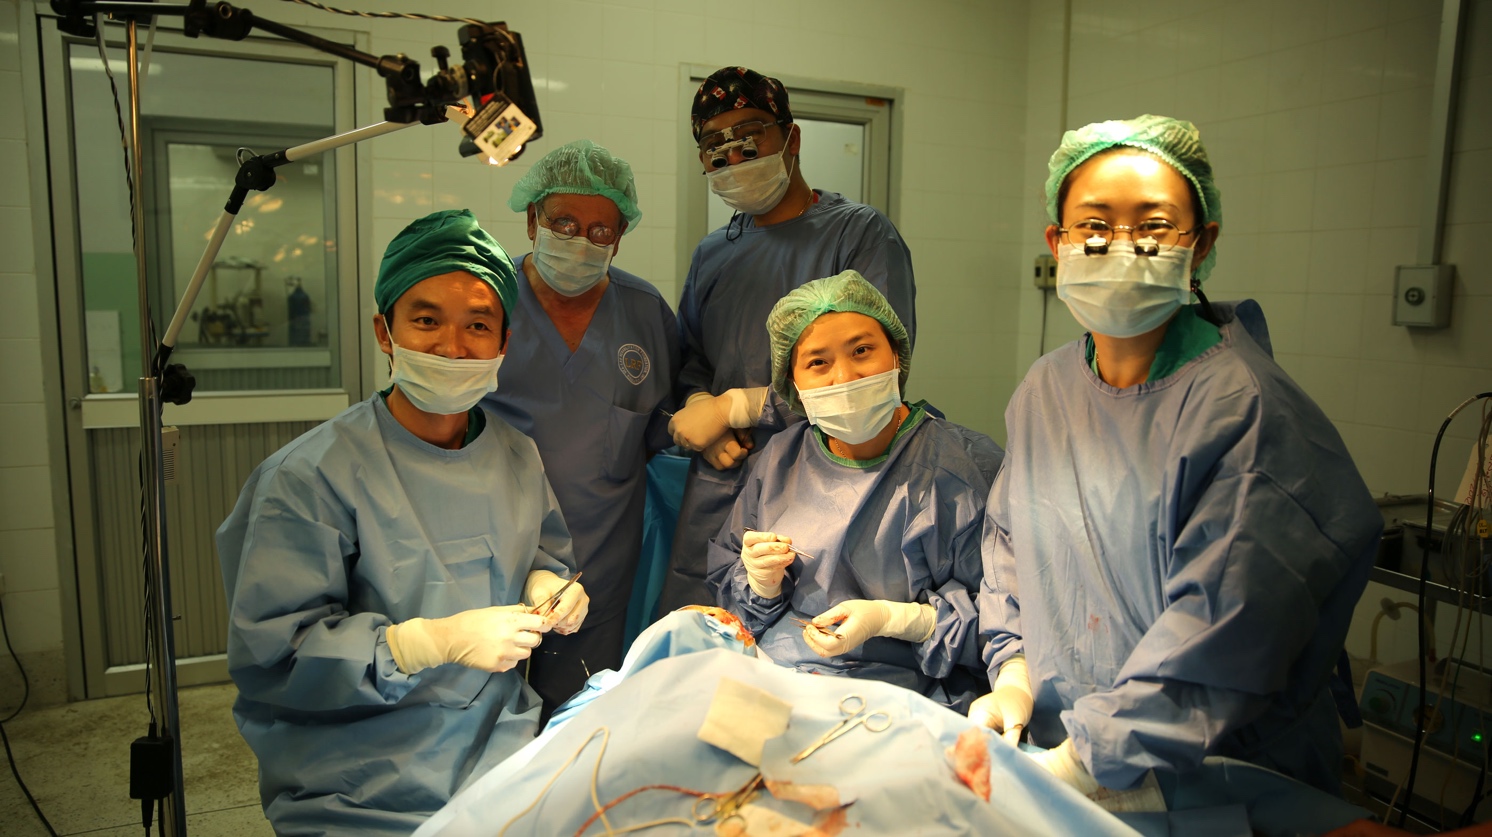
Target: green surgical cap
846 292
443 242
1173 140
579 168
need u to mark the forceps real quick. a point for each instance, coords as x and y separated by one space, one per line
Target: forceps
724 806
547 606
853 708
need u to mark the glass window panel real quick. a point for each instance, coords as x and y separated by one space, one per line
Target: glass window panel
267 316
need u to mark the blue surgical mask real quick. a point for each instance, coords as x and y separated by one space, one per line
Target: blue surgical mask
442 385
1121 293
854 412
570 266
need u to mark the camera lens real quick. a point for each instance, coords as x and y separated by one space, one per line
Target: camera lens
748 152
718 161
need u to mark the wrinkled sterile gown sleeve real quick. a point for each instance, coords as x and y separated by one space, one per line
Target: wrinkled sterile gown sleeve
293 642
1188 554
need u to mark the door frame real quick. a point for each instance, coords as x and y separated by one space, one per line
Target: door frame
58 271
810 98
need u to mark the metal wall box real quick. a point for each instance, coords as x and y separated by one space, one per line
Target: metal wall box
1422 295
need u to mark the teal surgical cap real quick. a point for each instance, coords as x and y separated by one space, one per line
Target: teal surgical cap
443 242
1173 140
795 312
579 168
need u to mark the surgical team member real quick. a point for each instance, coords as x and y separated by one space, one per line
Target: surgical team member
865 519
377 568
590 371
782 235
1179 535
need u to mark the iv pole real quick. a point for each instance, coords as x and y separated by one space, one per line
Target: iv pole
411 103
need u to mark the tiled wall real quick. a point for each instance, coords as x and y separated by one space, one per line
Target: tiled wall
28 556
1316 117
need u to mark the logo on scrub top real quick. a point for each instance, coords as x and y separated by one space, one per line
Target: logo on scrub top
634 363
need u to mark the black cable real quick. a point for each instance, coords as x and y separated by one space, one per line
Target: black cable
397 15
1424 577
25 696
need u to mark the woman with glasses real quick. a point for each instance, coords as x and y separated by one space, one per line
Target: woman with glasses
592 361
1174 549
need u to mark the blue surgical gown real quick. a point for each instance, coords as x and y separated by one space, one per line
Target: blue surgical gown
1178 560
736 276
355 526
595 414
906 529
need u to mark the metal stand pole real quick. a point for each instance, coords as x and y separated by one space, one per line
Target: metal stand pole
162 649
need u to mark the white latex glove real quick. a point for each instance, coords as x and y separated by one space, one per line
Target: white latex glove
1062 761
572 607
766 558
705 417
730 450
860 619
1007 709
489 639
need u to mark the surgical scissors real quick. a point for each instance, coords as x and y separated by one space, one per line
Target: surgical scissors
854 709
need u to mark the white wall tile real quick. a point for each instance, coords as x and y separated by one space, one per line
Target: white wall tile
1410 49
463 186
1467 202
17 251
1352 66
1343 197
29 560
405 189
1398 192
1243 87
1290 138
35 620
1348 16
1287 202
1388 395
1404 123
1245 32
1285 260
1331 382
1349 132
1285 314
25 498
10 47
1336 325
20 374
23 435
1339 261
18 301
1295 77
583 25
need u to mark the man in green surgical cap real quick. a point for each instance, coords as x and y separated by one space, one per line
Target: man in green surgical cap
387 571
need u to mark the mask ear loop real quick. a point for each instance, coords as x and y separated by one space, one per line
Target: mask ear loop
1207 313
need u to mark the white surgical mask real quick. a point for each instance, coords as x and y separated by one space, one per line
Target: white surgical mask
1120 293
752 186
442 385
856 411
569 266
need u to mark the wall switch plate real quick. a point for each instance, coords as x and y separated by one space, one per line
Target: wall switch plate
1045 272
1422 295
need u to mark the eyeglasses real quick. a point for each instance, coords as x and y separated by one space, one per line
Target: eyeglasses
1150 238
746 135
566 228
